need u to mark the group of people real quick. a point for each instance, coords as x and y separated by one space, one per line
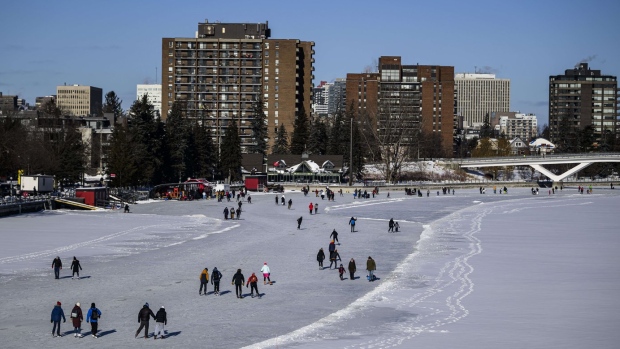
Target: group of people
161 319
75 267
92 316
232 212
237 280
334 258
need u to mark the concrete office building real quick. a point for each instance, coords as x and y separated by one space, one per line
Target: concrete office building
320 99
153 93
586 98
479 94
8 104
422 96
221 72
77 100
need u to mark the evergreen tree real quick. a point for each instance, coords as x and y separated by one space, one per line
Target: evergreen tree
359 152
148 147
486 131
112 104
177 132
317 141
260 136
205 152
230 159
121 158
334 146
299 140
71 155
281 144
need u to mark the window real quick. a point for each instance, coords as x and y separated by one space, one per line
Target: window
277 62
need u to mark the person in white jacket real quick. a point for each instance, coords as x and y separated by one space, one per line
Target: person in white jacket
266 273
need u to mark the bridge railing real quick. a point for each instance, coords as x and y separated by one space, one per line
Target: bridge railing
546 156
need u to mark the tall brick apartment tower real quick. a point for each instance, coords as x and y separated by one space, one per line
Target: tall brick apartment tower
585 97
423 94
227 66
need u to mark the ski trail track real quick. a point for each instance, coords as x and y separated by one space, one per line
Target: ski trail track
430 300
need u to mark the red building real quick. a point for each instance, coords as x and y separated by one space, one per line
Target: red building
92 196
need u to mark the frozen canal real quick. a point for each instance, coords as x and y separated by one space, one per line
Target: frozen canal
469 270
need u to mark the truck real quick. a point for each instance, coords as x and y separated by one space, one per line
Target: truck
38 183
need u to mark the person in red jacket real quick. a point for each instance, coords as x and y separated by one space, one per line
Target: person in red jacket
253 281
311 207
77 317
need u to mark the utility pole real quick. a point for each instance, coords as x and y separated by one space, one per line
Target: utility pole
351 155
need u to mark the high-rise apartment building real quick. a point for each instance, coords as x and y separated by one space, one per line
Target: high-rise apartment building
420 96
320 99
586 98
480 94
227 67
337 96
79 100
153 95
514 124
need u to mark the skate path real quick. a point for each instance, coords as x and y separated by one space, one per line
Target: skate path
421 303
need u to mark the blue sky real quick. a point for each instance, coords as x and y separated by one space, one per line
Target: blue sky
117 44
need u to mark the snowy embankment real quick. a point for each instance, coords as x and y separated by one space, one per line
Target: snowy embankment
486 269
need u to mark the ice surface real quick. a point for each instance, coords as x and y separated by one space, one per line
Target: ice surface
467 271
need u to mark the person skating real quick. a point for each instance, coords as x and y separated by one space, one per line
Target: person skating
76 318
92 317
160 321
276 199
396 227
334 236
352 224
334 257
341 272
320 257
225 212
144 316
57 266
299 222
216 276
75 267
282 199
232 213
371 266
238 280
57 314
352 269
126 208
249 199
290 203
391 225
310 207
238 213
253 281
316 207
204 281
266 274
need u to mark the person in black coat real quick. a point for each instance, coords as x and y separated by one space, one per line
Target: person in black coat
216 276
225 212
76 267
334 257
144 316
320 257
57 266
160 322
352 269
238 280
299 222
334 235
391 225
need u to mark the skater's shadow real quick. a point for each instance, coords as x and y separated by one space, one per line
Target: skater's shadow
224 292
65 277
173 334
85 277
271 282
105 333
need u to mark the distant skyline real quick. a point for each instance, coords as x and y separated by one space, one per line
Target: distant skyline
116 45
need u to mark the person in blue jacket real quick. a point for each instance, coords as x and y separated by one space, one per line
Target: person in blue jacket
93 317
57 314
